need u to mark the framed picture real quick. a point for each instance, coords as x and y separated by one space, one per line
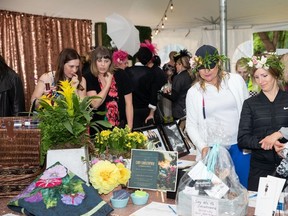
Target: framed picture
182 127
175 139
155 139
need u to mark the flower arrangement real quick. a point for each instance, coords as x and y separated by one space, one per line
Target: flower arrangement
265 62
55 185
119 141
64 119
105 175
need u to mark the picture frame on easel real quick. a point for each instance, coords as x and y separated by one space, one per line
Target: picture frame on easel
174 139
155 138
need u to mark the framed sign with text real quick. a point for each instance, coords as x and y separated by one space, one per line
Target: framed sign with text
154 170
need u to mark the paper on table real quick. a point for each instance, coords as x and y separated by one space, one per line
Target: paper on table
156 209
185 163
269 191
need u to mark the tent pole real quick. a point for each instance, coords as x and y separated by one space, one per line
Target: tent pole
223 31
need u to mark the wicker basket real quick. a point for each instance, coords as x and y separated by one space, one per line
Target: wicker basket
19 154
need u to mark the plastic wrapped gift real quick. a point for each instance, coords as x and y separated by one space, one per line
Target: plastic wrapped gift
212 187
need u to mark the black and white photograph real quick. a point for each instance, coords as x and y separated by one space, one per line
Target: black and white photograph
156 141
174 139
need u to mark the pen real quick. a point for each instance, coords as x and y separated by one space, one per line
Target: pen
172 209
253 195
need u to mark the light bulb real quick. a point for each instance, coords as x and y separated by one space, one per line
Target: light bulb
165 17
171 6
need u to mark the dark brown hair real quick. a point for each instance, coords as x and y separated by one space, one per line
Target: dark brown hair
65 56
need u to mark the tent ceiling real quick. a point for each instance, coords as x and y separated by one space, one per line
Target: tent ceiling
186 13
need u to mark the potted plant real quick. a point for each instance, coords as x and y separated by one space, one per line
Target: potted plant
65 120
119 141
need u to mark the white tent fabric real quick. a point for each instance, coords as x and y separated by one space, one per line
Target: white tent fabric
187 25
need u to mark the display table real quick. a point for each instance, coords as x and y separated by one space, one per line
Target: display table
154 196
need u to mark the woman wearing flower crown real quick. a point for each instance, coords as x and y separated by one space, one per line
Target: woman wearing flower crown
213 106
262 117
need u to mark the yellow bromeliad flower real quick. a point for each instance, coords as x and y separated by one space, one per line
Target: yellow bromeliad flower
104 176
125 173
48 99
67 92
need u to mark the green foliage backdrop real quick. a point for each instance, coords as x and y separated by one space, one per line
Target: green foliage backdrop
101 36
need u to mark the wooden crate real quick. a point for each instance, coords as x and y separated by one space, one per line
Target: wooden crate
19 154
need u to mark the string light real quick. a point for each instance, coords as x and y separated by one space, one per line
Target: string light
164 17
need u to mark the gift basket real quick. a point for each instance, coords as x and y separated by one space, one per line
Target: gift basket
212 187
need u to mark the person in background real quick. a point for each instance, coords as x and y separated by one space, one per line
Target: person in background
284 60
213 106
242 69
120 59
12 100
171 62
180 84
68 68
112 88
262 117
120 62
165 103
144 89
154 64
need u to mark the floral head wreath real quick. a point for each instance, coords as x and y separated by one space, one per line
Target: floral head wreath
150 46
265 62
119 56
208 62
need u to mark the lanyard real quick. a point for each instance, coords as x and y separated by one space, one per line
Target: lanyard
203 108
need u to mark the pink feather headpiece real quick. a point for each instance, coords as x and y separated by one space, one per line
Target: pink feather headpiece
150 46
119 56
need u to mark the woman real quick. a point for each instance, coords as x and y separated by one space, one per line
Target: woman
68 67
120 59
180 84
243 69
213 107
113 90
262 117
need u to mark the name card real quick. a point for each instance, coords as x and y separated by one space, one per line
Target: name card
204 206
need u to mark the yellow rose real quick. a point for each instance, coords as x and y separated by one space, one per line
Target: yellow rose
125 173
104 176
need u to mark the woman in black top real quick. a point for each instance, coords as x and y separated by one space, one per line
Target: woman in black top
113 89
262 117
181 82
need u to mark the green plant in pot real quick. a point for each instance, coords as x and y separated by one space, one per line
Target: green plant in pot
65 119
119 141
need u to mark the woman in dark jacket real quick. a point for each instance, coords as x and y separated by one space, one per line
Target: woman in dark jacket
181 82
262 117
11 91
